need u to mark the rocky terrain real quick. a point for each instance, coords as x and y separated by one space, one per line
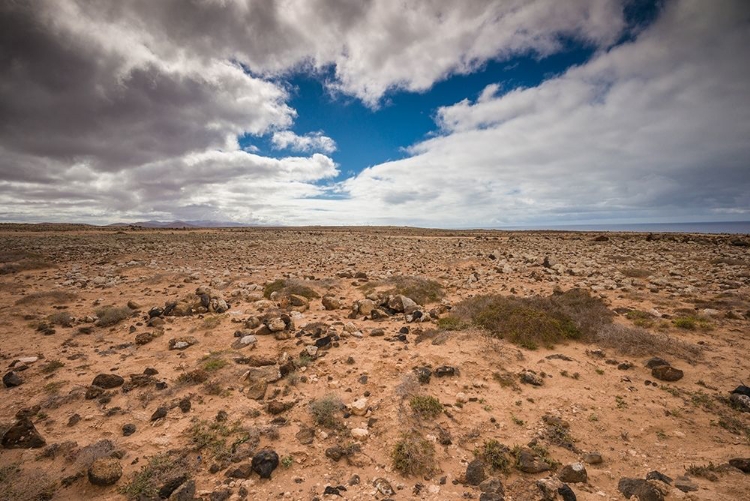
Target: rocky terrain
373 363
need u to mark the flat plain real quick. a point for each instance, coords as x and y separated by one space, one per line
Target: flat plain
372 363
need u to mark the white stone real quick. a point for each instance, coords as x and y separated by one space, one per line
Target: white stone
360 434
359 407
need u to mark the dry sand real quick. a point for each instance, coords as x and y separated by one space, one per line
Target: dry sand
608 407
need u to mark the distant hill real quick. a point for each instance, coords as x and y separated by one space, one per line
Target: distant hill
182 224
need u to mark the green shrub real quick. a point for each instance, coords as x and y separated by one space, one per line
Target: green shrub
426 406
413 455
145 483
495 455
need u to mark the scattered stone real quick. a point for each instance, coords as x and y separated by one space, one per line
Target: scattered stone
642 489
275 407
12 379
593 458
667 373
331 302
446 371
256 390
657 475
573 473
74 419
423 374
23 435
566 493
475 472
383 486
306 436
528 377
359 407
654 362
241 471
182 343
742 464
265 462
128 429
740 402
159 413
108 381
530 462
105 471
144 338
185 492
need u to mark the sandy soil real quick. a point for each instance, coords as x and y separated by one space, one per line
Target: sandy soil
608 407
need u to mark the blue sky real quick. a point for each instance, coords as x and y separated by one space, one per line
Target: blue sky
433 113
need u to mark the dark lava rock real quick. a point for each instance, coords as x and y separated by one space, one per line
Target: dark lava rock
155 312
265 462
221 495
185 405
128 429
566 493
23 435
143 338
74 419
475 472
334 491
742 390
492 485
12 379
423 374
573 473
171 485
530 462
277 407
640 488
657 475
667 373
105 471
150 371
656 362
445 370
742 464
108 381
159 413
185 492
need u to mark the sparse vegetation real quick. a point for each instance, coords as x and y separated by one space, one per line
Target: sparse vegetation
691 323
635 272
52 366
19 485
111 315
211 322
635 341
426 406
413 455
47 297
214 437
16 261
325 411
452 324
707 471
193 377
289 287
421 290
537 321
640 318
145 483
214 363
62 318
495 455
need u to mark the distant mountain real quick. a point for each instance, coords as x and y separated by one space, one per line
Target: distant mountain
182 224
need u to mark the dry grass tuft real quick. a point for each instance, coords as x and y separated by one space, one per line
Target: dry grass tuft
413 455
531 322
48 297
325 411
111 315
420 290
289 287
638 342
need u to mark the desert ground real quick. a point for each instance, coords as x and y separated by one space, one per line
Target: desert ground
373 363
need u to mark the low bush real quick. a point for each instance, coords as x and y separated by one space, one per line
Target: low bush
638 342
426 406
413 455
48 297
111 315
495 455
145 483
289 287
325 411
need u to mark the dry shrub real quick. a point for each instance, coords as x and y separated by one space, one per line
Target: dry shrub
48 297
25 485
62 318
426 406
289 287
531 322
325 410
420 290
15 261
638 342
413 455
145 483
635 272
494 454
111 315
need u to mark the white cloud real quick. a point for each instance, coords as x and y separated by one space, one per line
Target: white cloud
652 129
314 141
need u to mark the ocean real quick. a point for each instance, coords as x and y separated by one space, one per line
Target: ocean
733 227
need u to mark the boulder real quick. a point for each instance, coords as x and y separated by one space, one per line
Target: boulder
573 473
265 462
23 435
667 373
107 381
12 379
529 462
331 302
105 471
642 489
475 472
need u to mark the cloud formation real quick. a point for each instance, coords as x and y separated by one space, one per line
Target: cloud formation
132 110
314 141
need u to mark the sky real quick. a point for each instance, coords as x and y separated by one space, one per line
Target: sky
430 113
